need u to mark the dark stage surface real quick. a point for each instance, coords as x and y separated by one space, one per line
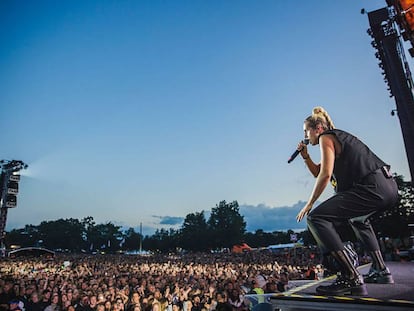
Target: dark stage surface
302 295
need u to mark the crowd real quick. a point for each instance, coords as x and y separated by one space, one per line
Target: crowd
190 282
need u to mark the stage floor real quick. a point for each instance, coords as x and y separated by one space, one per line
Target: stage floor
302 296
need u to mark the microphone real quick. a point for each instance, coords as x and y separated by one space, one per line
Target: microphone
295 154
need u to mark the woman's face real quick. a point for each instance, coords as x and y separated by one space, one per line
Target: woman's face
55 299
311 133
135 298
35 297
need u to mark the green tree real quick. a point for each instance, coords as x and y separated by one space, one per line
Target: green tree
162 241
105 237
62 234
26 237
226 224
194 234
406 203
16 237
132 240
90 235
259 238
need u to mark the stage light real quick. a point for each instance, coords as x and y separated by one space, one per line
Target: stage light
10 182
11 201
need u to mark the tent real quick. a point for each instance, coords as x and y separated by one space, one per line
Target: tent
241 248
31 252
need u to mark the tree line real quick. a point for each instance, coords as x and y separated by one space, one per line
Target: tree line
224 228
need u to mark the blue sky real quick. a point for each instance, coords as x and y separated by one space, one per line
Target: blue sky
145 111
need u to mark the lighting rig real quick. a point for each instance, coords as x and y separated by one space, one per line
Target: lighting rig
389 26
9 188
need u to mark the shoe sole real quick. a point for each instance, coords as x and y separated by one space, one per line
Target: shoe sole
353 291
380 280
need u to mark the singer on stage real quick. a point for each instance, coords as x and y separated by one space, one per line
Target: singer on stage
363 186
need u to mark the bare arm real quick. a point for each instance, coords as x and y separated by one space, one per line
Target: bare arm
326 167
313 167
327 147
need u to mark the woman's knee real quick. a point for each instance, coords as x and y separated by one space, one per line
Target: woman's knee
359 223
310 219
315 221
312 216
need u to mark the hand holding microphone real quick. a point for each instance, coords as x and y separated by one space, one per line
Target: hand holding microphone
301 146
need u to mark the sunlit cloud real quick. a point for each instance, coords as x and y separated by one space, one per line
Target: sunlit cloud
169 220
271 219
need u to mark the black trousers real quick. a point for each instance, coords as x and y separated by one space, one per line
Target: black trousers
374 193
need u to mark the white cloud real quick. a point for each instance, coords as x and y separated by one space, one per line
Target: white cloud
272 218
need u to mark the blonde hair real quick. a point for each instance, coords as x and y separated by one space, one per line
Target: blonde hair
321 117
